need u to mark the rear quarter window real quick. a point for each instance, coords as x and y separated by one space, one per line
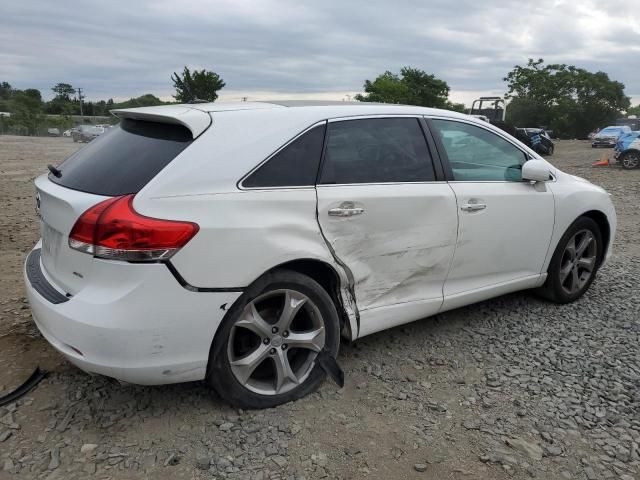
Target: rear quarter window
295 165
125 159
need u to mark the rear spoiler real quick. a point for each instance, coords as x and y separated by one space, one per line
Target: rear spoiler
196 121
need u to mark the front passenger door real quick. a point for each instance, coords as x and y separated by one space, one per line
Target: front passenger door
505 223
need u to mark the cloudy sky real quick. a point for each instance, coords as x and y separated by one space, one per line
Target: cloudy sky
308 49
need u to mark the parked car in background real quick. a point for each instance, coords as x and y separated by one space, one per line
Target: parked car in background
609 136
175 250
86 133
539 140
53 132
627 150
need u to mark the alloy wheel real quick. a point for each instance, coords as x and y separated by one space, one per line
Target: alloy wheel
578 262
631 160
273 345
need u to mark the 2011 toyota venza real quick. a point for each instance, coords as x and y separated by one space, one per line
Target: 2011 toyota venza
237 242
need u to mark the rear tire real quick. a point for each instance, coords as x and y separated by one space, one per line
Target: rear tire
263 356
575 262
630 160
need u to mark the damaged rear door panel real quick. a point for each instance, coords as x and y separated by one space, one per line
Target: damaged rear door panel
386 219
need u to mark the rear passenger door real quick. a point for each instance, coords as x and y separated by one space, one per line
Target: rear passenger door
387 217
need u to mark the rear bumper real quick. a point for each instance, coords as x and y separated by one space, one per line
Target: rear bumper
136 324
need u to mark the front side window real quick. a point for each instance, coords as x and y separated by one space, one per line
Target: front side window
476 154
296 165
376 150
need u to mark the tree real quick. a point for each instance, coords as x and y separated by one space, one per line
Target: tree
412 87
63 102
64 91
5 91
27 111
146 100
634 110
456 107
5 96
569 100
196 85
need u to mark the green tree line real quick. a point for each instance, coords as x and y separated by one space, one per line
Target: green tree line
569 100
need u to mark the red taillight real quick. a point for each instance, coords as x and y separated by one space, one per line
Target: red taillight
113 229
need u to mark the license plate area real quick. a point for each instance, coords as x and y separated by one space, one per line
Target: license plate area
51 240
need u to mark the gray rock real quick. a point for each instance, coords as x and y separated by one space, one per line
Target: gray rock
590 473
55 458
88 448
225 427
203 462
420 467
8 465
530 448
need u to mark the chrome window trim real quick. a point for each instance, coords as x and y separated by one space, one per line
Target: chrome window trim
322 185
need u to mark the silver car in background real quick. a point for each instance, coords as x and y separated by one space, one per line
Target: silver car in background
86 133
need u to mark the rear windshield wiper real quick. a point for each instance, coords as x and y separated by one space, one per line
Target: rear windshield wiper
56 172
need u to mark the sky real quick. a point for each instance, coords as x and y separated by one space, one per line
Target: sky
276 49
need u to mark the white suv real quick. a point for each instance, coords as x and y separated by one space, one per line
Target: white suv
237 243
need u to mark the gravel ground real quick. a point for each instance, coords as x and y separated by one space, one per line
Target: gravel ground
510 388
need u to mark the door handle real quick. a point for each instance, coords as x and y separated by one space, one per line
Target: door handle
473 207
346 211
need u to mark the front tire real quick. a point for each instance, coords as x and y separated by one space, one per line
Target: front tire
575 262
264 353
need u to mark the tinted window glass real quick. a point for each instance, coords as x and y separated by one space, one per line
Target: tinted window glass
124 159
295 165
476 154
376 150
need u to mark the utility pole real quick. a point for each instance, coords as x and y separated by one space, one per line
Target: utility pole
80 97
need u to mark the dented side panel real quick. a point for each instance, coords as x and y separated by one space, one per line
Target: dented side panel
400 248
246 233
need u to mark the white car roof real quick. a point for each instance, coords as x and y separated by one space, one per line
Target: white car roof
197 117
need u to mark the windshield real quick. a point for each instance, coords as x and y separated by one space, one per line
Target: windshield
610 131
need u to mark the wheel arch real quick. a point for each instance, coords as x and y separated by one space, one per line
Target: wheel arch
605 229
328 278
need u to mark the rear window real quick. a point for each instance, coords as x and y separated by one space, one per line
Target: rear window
124 159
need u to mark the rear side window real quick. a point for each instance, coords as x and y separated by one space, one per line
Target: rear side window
296 165
376 150
125 159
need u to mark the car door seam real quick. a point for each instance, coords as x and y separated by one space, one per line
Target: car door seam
351 288
455 246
